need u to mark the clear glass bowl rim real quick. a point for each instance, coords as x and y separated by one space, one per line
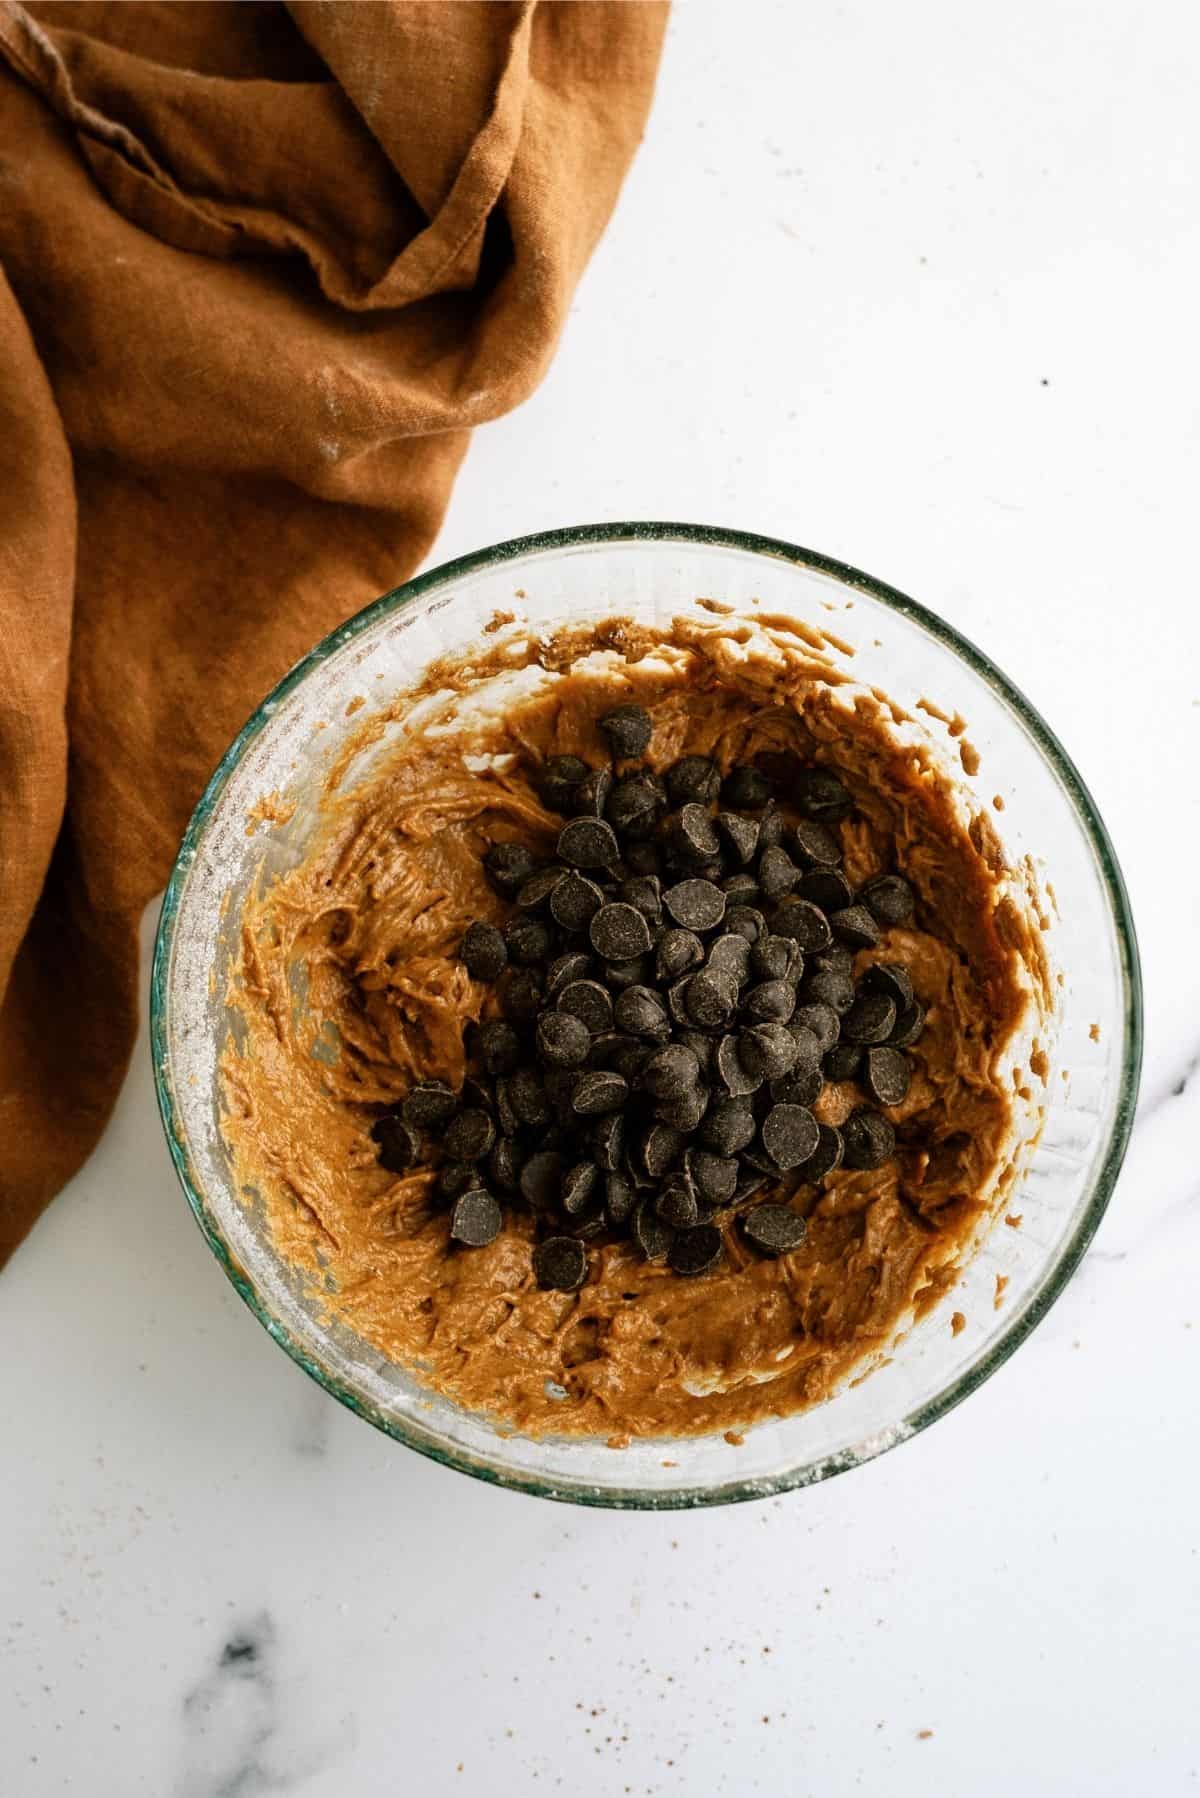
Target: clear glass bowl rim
1072 1250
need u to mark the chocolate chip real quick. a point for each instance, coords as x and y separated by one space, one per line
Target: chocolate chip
541 1179
826 987
821 795
635 805
456 1177
476 1219
575 901
590 1002
560 1264
659 1149
477 1094
740 889
670 1071
651 1235
892 978
693 835
855 927
591 795
889 899
619 932
745 787
711 999
628 729
730 954
836 959
588 843
399 1144
527 1096
886 1076
694 778
803 921
507 1119
908 1026
483 952
684 1109
771 1001
774 1229
789 1135
644 893
599 1092
639 1012
642 858
523 996
736 1076
746 921
630 1060
740 833
562 1040
843 1062
580 1192
826 887
776 958
869 1019
695 904
676 1204
469 1136
821 1021
534 893
500 1047
558 779
504 1163
619 976
728 1127
678 952
508 866
801 1087
825 1157
815 847
868 1140
528 940
777 873
695 1251
620 1197
607 1137
429 1105
767 1050
713 1176
607 1046
700 1045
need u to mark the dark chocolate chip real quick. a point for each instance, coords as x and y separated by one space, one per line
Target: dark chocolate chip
588 843
580 1193
528 940
535 892
456 1177
740 833
730 954
821 795
776 958
771 1001
824 986
630 1060
777 873
607 1137
659 1149
651 1235
815 847
639 1012
803 921
504 1163
728 1127
620 1197
711 999
469 1136
500 1047
695 904
619 976
826 887
644 893
670 1071
429 1105
908 1026
771 828
745 787
774 1229
635 805
713 1176
558 779
868 1139
507 1119
836 959
855 927
843 1061
869 1019
560 1264
825 1157
523 996
477 1094
749 1182
677 1003
541 1178
483 952
628 729
599 1092
619 932
565 969
695 1251
892 978
693 835
590 1002
575 901
678 952
563 1041
642 858
700 1045
789 1135
889 899
508 866
821 1021
886 1076
801 1087
740 889
767 1050
527 1097
399 1144
695 778
735 1075
591 795
676 1203
683 1110
747 921
476 1218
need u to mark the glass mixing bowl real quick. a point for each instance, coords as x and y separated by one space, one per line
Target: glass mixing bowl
656 572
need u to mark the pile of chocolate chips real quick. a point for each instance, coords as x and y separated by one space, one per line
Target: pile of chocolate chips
677 986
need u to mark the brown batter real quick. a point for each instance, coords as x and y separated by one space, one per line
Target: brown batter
369 925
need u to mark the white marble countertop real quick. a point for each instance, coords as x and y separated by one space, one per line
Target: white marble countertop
916 287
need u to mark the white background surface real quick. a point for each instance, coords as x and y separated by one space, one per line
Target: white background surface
915 286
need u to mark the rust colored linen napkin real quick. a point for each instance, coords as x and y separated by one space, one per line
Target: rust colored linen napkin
262 268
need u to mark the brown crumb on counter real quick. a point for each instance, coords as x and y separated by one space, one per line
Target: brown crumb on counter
497 622
923 1735
1001 1283
1014 1219
734 1438
958 1323
355 705
998 802
518 593
969 756
1094 1032
715 605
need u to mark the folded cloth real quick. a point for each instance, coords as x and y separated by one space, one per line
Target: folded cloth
262 268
